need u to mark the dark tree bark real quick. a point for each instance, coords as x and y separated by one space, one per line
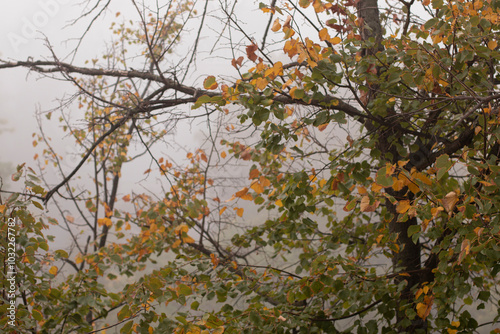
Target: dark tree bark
408 258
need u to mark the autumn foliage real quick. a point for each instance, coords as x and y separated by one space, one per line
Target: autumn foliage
350 186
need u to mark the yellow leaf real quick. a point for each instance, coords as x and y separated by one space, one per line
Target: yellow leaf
323 34
176 244
257 187
276 25
239 211
479 231
413 187
53 270
421 309
261 83
403 206
424 309
376 187
398 184
181 228
455 323
279 203
436 211
492 45
104 221
422 177
222 210
335 40
187 239
223 154
2 208
449 201
425 223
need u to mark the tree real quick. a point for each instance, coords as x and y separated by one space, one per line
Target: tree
414 101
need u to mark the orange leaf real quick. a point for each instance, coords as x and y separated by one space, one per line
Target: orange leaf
464 250
247 197
492 45
403 206
126 198
239 211
254 173
323 34
104 221
276 25
222 210
424 309
322 127
264 181
223 154
242 192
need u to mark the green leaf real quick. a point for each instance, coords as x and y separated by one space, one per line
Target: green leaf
210 83
202 100
127 328
124 313
255 318
195 305
443 161
383 179
185 290
37 315
484 296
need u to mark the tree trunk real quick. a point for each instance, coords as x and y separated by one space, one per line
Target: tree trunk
408 258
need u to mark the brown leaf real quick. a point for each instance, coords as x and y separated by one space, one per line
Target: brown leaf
365 205
237 62
449 201
251 51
